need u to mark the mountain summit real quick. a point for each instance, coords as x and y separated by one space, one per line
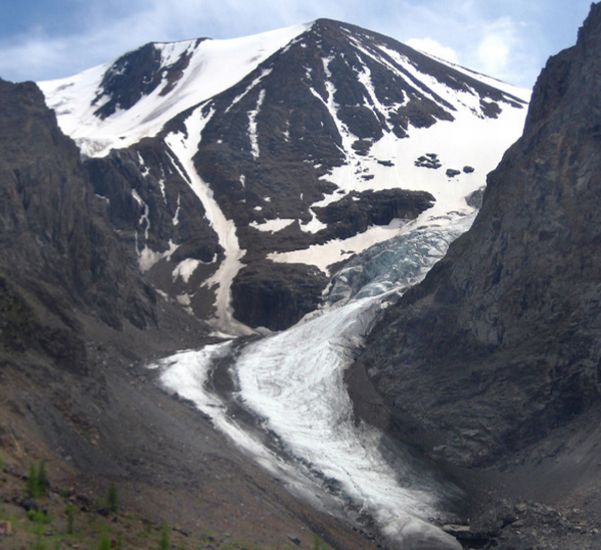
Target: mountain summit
242 170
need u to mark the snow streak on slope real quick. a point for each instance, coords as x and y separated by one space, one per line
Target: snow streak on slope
294 382
185 146
214 66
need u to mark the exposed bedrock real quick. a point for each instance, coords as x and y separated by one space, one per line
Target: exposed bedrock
357 211
500 345
276 296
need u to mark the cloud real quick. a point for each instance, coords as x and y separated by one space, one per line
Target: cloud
433 47
96 32
107 29
496 46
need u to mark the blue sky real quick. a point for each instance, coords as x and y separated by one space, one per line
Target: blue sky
509 39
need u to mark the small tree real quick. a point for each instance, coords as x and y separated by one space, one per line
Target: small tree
165 542
70 513
43 482
32 482
112 499
37 481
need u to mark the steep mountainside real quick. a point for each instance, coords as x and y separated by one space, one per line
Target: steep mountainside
78 324
499 347
60 259
234 186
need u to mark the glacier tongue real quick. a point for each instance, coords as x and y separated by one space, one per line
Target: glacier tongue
293 383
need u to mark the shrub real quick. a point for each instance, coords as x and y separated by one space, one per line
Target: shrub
105 542
318 544
39 517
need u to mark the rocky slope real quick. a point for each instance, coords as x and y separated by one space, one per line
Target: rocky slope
78 325
223 180
60 260
494 359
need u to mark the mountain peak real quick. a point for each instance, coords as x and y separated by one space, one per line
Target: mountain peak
278 136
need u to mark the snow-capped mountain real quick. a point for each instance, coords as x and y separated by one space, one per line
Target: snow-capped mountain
242 170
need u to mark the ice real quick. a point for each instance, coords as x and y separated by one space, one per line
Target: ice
294 382
187 374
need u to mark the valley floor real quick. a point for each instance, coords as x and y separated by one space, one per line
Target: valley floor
168 464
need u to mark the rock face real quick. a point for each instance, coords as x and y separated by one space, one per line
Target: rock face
500 343
276 296
305 139
59 255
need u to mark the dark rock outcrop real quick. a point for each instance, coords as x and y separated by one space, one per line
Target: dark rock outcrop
357 211
500 345
276 296
135 75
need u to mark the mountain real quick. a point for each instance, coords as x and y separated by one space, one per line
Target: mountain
62 266
78 325
217 188
492 363
241 171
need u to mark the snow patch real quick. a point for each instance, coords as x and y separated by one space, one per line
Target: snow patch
274 225
336 250
252 126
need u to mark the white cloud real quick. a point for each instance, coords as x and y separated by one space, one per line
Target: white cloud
494 53
433 47
102 36
456 30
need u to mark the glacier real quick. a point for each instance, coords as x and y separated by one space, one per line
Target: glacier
292 384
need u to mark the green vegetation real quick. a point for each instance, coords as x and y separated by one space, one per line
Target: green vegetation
39 517
37 481
112 499
61 524
38 484
165 542
105 541
318 544
70 513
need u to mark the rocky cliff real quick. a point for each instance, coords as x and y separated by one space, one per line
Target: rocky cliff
61 262
499 347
